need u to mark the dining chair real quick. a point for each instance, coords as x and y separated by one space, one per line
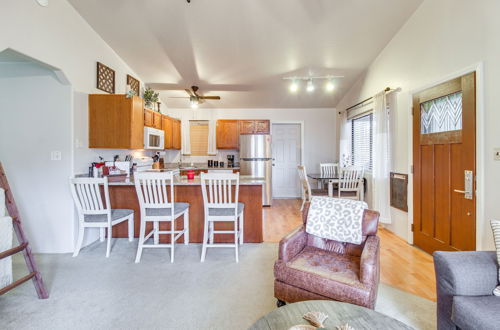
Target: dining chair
93 213
307 192
350 183
220 198
155 191
329 169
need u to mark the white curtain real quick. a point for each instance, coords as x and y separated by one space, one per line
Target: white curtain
345 140
186 139
212 143
381 157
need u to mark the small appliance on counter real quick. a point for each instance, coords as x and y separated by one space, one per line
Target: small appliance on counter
230 160
118 167
143 164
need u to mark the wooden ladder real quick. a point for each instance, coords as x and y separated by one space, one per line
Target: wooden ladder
23 244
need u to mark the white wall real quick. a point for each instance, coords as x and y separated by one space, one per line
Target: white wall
319 127
441 38
35 119
59 36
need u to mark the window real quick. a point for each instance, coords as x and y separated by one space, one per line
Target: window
362 141
198 135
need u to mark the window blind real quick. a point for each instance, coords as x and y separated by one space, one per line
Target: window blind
198 133
362 141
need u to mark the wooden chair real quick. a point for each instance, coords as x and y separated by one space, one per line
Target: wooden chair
328 169
307 192
350 183
155 191
221 205
93 213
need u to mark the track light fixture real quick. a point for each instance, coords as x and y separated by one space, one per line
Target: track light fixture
310 86
295 81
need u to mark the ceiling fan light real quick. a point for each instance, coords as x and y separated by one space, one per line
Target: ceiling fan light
294 86
329 86
310 86
194 104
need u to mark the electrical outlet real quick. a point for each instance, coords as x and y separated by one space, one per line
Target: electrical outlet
496 155
55 155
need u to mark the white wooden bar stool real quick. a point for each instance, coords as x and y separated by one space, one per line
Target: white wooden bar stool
93 213
221 204
155 191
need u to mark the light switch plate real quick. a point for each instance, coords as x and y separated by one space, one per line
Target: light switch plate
55 155
496 154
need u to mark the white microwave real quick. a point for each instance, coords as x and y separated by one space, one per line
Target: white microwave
154 138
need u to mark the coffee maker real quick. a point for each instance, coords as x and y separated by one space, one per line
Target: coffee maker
230 160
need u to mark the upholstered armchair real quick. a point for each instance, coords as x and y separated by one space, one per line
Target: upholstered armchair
312 268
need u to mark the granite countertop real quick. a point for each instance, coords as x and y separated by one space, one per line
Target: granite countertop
183 181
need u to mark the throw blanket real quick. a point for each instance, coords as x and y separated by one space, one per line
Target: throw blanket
336 219
5 243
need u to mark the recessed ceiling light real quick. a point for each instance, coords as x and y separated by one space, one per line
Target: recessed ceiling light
310 86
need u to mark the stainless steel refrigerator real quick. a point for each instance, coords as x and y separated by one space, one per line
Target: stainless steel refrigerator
256 161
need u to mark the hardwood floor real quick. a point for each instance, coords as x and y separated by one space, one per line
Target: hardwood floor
402 265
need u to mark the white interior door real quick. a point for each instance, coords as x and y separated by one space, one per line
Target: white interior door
286 157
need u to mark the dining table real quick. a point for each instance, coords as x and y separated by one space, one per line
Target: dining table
332 179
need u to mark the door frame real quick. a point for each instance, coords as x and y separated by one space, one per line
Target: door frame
293 122
480 154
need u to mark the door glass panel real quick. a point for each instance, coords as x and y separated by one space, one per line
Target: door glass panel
442 114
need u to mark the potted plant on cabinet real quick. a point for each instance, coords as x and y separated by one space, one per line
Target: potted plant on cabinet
150 98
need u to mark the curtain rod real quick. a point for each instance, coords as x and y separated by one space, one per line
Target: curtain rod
387 89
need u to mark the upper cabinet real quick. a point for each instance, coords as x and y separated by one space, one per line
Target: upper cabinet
152 119
176 134
167 128
247 127
116 122
262 127
228 134
255 127
172 129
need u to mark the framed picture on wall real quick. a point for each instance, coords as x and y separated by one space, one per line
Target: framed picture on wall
134 84
105 78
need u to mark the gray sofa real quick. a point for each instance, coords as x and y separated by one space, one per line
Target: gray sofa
465 282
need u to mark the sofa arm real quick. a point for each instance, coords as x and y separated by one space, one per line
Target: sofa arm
370 261
471 273
292 244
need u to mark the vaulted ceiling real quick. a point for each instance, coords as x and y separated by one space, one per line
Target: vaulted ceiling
241 49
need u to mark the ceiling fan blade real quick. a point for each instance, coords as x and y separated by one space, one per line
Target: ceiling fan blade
189 92
179 97
210 97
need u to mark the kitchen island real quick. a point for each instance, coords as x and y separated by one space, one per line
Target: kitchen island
123 196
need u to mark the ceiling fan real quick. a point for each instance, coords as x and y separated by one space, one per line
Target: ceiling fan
194 98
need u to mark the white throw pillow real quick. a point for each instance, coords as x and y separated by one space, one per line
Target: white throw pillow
495 226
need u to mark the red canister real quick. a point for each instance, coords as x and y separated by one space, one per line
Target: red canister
190 174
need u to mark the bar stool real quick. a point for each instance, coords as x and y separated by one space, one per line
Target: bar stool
93 213
153 191
221 204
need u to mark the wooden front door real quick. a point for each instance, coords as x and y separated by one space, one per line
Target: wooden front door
444 166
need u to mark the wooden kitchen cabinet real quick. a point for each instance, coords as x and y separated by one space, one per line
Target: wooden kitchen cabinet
167 124
262 127
152 119
255 126
176 134
228 134
116 122
247 126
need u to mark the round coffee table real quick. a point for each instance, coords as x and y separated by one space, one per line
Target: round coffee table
338 313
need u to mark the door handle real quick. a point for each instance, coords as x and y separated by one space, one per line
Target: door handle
468 185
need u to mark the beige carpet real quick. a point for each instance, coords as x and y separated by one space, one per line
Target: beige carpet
92 292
